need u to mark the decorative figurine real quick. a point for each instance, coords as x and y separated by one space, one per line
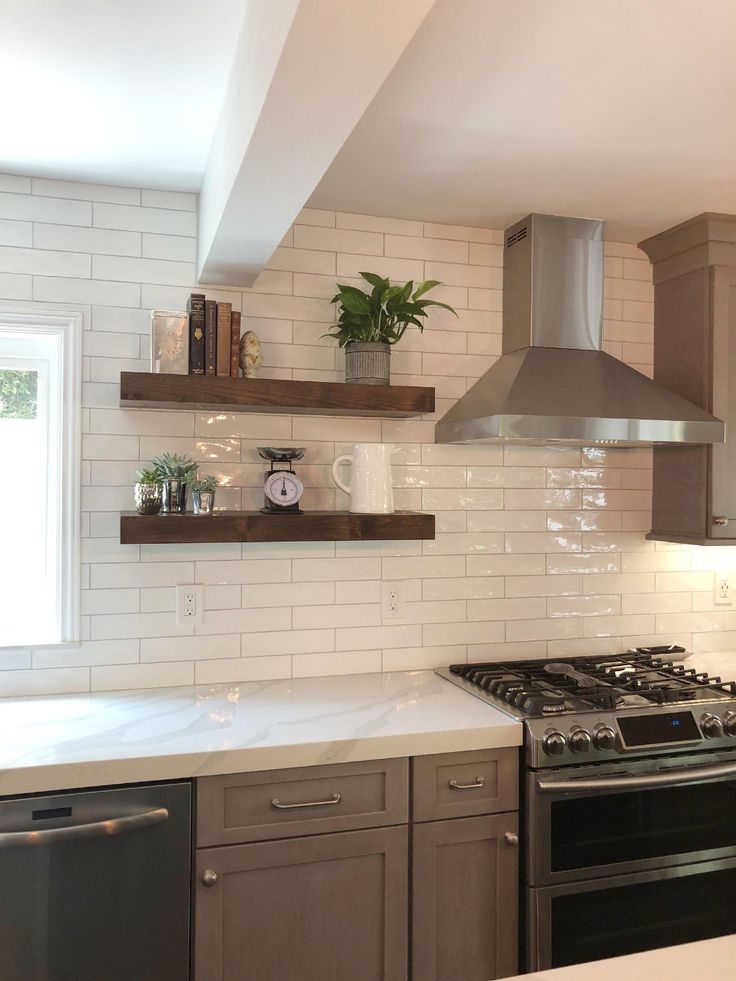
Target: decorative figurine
282 487
251 355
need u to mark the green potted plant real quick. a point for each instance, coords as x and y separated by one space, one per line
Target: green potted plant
148 491
203 494
370 323
175 473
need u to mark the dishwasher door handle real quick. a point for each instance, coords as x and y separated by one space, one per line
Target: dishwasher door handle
110 828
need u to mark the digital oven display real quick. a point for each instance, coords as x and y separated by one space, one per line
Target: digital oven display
664 727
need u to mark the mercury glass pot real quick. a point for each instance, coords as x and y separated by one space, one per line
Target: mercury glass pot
203 501
174 495
147 498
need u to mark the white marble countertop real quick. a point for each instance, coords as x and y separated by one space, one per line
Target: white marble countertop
711 959
58 742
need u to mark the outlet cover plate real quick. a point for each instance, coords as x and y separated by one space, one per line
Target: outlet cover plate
189 604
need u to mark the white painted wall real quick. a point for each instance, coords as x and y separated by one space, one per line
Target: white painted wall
539 551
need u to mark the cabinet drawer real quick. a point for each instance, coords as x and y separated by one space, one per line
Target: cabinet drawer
464 784
302 801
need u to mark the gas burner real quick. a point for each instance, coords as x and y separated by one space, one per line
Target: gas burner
646 676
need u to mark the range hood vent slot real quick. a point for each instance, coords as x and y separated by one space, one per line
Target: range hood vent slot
516 236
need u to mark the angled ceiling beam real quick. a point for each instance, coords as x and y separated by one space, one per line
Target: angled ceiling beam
304 73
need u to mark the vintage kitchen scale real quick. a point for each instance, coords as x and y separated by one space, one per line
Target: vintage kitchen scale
282 488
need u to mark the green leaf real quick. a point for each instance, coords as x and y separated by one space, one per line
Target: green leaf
375 280
382 315
428 284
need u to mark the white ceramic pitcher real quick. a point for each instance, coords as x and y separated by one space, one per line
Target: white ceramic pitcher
370 488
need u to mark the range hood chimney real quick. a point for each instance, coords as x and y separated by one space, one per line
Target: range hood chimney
553 383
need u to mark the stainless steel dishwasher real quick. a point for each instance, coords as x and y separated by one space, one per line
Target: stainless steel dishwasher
95 885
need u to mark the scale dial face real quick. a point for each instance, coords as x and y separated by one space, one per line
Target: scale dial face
283 488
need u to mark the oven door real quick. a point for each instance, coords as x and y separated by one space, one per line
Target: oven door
587 921
591 821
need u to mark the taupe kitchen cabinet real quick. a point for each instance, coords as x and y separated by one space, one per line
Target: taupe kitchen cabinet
694 269
317 902
315 873
465 869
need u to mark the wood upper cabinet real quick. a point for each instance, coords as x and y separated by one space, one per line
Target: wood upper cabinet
323 908
464 898
694 266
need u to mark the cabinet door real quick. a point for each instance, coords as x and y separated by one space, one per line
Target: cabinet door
323 908
465 899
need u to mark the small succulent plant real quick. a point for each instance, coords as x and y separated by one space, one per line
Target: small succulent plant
148 475
172 466
207 484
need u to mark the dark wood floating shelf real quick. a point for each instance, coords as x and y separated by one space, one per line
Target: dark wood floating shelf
253 526
140 389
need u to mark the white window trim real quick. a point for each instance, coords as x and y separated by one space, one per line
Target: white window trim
67 326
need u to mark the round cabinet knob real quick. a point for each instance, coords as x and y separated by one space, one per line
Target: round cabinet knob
712 726
729 723
511 838
605 738
580 741
554 743
209 878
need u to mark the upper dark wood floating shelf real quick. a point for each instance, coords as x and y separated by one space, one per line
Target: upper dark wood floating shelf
253 526
209 392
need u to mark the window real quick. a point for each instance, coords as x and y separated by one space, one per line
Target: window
39 489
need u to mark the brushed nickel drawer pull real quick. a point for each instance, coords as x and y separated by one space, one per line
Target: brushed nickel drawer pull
280 806
479 782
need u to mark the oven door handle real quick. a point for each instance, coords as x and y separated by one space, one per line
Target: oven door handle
642 781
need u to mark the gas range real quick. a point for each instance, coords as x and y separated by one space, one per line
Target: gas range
601 709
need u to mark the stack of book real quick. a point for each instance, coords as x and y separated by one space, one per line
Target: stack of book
214 337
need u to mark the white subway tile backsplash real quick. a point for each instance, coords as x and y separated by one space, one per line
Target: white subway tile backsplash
539 550
142 676
18 233
338 240
93 291
16 286
31 207
369 223
177 200
16 183
338 662
138 219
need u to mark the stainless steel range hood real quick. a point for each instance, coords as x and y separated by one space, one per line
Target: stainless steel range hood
553 382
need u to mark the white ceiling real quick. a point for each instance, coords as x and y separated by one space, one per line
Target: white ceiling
118 91
615 109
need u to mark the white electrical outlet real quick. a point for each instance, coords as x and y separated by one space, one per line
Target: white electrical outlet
722 585
392 600
189 604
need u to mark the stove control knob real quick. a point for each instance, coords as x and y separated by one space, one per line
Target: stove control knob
605 738
554 743
580 741
729 723
712 726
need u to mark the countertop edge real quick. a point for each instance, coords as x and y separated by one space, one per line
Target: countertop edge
183 766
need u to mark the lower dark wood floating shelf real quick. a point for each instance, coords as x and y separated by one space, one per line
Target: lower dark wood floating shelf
139 389
253 526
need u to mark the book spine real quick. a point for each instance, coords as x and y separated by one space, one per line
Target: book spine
195 308
224 311
235 344
210 337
